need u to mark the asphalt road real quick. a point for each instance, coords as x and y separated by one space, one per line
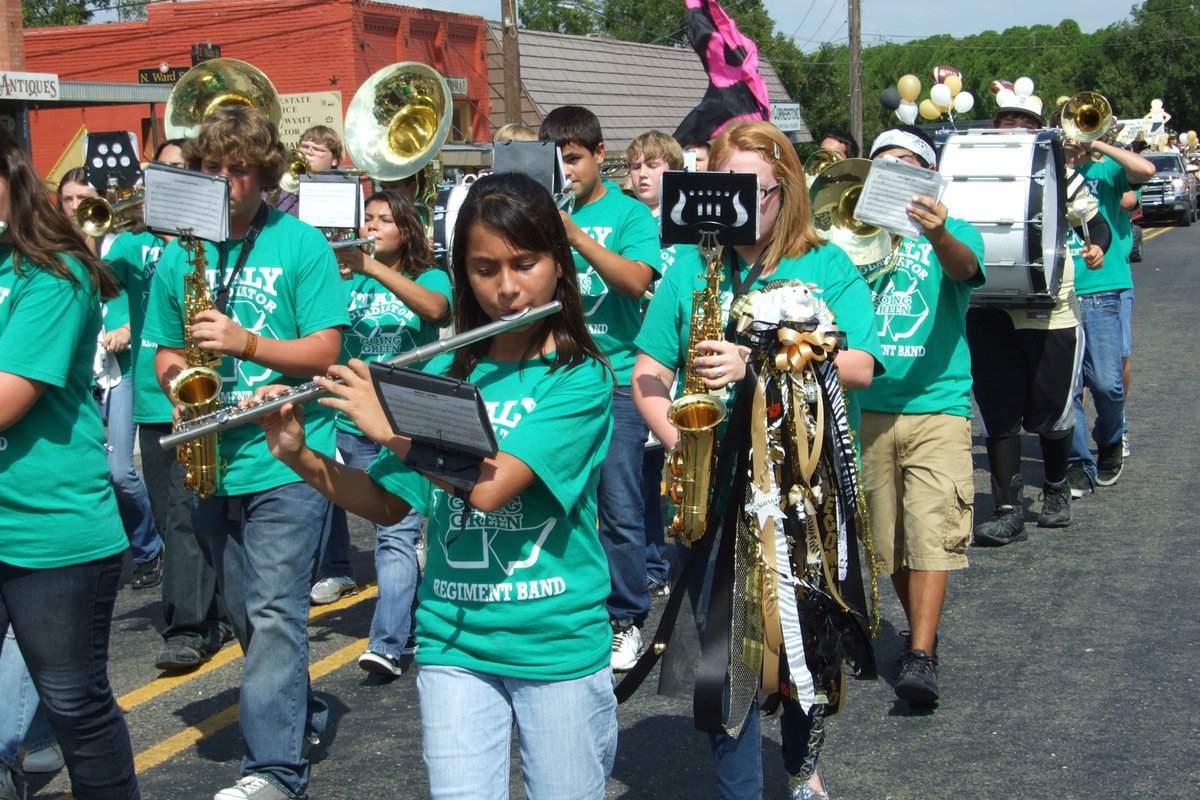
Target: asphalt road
1069 661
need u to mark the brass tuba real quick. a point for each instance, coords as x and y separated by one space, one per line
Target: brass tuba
697 413
815 164
206 87
1086 117
396 125
197 389
834 196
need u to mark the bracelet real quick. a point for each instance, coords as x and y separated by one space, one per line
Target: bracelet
251 346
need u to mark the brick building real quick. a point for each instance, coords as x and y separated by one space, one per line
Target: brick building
302 45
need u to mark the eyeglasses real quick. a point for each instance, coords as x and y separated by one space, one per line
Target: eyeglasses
314 149
765 191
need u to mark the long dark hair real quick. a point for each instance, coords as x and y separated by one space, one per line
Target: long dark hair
41 234
520 209
415 254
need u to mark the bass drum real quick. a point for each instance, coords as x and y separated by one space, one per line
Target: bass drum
1011 186
445 215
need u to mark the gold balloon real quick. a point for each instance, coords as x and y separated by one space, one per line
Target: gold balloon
929 110
954 83
909 87
1192 140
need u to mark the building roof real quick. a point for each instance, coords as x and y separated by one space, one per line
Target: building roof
631 87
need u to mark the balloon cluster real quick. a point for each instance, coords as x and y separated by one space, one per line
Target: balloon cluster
946 96
1005 91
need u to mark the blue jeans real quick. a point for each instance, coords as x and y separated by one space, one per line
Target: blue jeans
1126 296
264 547
24 720
62 617
133 501
622 513
396 565
739 760
1102 330
567 731
658 568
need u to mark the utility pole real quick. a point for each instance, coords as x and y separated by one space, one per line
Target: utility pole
12 37
855 84
512 62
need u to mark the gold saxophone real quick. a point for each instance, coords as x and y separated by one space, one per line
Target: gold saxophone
697 413
197 389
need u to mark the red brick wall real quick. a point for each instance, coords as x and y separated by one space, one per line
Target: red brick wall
302 45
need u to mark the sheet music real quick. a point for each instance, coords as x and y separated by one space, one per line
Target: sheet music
435 410
180 198
889 188
331 201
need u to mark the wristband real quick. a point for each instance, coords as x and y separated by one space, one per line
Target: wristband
251 346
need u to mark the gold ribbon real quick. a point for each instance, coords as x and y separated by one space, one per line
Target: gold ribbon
797 349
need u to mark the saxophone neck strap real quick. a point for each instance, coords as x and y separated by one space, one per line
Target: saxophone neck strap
256 226
741 286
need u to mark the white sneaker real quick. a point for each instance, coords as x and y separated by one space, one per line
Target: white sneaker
252 787
380 664
330 590
46 759
1125 445
8 789
626 647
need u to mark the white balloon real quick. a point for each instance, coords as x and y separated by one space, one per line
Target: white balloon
964 101
940 94
1005 97
1023 87
907 112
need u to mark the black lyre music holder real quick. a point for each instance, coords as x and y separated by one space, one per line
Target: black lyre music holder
695 206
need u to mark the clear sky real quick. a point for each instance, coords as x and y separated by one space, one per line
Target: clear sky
811 22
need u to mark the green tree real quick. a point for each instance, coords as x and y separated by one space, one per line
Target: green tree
555 16
43 13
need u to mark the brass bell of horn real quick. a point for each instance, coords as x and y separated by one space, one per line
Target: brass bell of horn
219 82
834 194
97 215
1086 117
298 165
817 162
398 120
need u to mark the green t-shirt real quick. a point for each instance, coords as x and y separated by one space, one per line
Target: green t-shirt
382 326
520 592
57 506
831 273
133 259
921 317
624 226
288 289
1106 180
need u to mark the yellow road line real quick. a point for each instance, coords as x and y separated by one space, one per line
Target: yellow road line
172 746
160 686
1148 235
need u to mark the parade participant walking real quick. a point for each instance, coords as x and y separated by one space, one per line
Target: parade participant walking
511 623
61 542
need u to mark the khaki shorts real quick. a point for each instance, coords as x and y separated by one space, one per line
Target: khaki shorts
917 476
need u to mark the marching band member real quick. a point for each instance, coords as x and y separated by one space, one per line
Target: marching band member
322 146
61 541
397 299
788 249
278 312
916 426
512 622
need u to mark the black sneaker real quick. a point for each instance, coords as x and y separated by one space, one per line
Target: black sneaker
1006 526
181 655
918 679
1081 482
1109 463
1056 505
148 575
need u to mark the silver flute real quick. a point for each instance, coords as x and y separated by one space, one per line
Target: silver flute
232 417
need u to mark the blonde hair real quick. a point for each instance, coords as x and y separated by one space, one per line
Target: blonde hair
515 132
794 233
656 146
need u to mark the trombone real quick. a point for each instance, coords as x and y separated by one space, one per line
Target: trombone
97 215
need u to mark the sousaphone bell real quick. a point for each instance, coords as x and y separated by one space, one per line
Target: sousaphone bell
219 82
398 121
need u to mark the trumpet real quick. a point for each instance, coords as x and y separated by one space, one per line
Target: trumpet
226 418
97 215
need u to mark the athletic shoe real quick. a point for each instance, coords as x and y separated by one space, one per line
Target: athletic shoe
918 679
1109 464
1081 482
626 647
380 664
8 789
252 787
44 760
181 656
330 590
1125 445
658 588
148 575
801 789
1006 526
1056 505
410 646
